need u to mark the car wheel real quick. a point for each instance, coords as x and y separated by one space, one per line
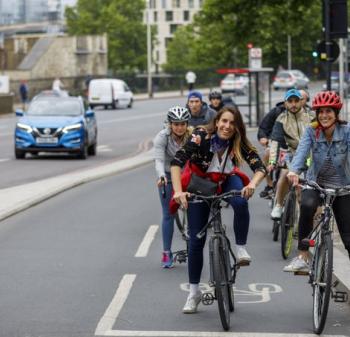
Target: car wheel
83 154
20 154
106 106
130 104
92 150
114 104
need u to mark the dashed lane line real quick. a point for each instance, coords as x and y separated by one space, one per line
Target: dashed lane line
108 319
143 249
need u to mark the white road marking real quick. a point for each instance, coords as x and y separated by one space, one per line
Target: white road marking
4 159
131 333
261 292
106 323
147 241
131 118
104 148
108 319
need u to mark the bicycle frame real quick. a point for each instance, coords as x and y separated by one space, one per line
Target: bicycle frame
215 222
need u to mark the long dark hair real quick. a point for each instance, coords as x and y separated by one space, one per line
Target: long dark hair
239 137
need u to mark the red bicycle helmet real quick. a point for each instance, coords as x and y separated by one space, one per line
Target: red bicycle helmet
327 99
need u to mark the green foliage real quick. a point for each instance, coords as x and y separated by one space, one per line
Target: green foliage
219 35
122 21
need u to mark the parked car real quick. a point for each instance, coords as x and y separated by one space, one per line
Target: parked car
56 124
235 83
287 79
109 93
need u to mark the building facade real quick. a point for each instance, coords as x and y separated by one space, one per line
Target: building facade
28 11
167 16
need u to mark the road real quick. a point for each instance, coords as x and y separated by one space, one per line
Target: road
121 133
81 264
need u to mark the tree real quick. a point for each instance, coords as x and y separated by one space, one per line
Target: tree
221 30
122 21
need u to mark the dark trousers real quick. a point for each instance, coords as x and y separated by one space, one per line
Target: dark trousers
310 200
198 214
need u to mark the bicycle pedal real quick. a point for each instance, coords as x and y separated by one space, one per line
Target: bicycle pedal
243 263
208 298
301 273
340 296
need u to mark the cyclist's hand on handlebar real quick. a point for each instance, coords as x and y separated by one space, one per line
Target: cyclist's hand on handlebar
271 167
181 198
293 178
248 190
264 141
162 181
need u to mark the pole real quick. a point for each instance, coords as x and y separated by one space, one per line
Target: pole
149 52
328 43
289 52
341 69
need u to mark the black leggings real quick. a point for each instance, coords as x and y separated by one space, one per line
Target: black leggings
310 200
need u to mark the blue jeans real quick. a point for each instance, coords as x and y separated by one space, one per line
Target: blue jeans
167 218
198 214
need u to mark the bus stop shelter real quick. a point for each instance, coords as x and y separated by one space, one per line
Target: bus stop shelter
259 92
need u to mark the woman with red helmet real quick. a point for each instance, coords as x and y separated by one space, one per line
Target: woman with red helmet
328 140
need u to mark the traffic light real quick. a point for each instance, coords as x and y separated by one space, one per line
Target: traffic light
338 18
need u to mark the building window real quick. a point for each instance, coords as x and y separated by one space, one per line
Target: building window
164 3
186 15
190 3
155 16
200 3
173 28
176 3
167 41
168 16
82 45
152 3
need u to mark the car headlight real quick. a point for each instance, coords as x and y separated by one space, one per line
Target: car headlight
72 127
24 127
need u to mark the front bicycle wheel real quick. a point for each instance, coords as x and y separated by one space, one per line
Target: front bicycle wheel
287 225
221 283
322 282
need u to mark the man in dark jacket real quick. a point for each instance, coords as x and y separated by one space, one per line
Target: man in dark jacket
264 133
201 114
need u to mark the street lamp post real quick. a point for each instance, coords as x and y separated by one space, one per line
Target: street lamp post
149 51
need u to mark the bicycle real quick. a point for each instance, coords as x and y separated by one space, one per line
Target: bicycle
289 222
320 275
181 255
222 261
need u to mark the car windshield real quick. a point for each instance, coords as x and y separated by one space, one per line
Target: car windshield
283 75
54 107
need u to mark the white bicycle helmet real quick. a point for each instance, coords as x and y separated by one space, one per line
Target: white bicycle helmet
178 114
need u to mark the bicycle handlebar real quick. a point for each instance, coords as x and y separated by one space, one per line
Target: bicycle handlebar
232 193
305 184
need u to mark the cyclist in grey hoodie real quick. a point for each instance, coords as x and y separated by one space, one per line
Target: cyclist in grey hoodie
167 142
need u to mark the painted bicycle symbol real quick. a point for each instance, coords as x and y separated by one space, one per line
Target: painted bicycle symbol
256 293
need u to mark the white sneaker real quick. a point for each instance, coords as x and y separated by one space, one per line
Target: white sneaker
243 258
192 303
298 264
277 212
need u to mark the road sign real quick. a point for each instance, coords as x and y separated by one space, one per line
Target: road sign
255 58
321 49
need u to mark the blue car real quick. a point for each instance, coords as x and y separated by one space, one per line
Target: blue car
56 124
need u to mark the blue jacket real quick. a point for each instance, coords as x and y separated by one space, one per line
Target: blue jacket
339 151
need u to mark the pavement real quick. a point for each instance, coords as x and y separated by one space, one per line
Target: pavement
18 198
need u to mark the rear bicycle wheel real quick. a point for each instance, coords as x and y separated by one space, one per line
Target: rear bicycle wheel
221 283
322 283
287 225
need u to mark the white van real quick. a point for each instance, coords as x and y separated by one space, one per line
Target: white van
109 92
